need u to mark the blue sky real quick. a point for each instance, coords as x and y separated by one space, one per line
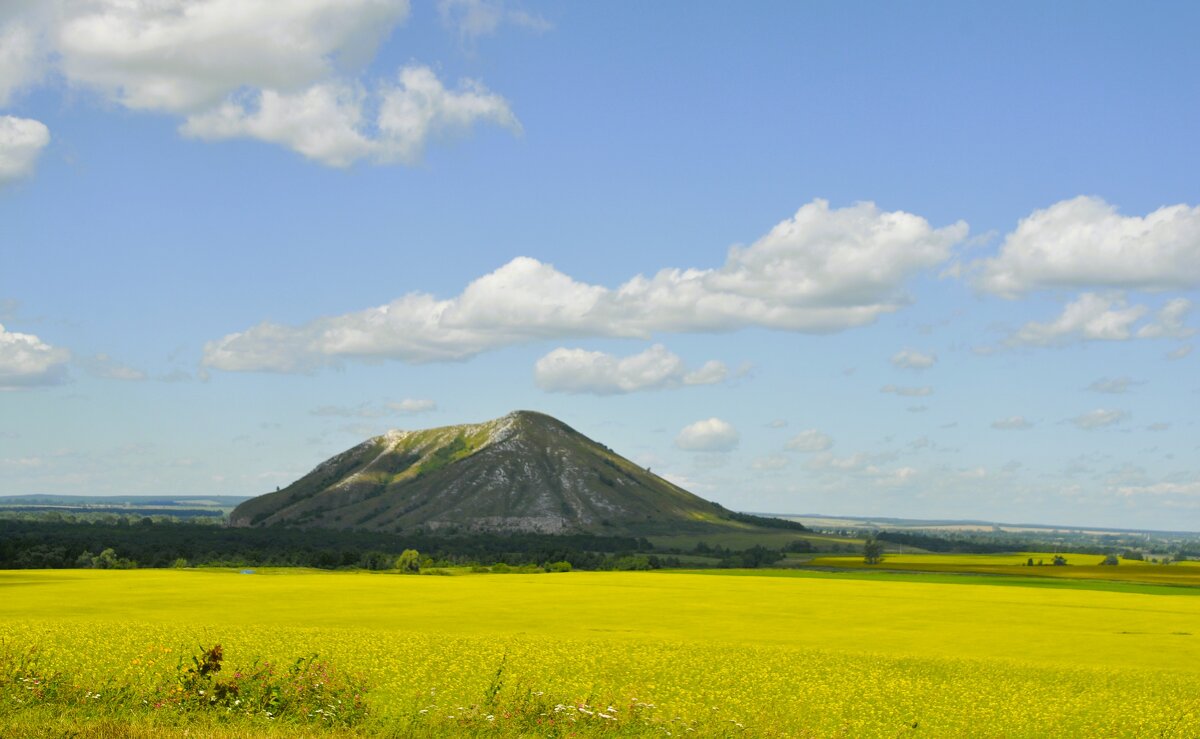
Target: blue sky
918 260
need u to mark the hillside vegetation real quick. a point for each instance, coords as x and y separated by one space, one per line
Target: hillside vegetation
525 472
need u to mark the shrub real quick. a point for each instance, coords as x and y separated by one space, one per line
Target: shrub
409 561
308 690
872 551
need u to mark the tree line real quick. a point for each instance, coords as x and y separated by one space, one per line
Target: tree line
146 542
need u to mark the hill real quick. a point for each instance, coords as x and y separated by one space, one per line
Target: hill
176 506
525 472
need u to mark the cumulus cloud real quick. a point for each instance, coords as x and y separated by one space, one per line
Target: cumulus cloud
862 466
1012 423
1090 317
1095 317
597 373
1085 242
907 391
22 45
327 122
822 270
188 56
27 361
288 73
21 143
1113 385
475 18
809 440
711 435
913 359
1169 322
1099 418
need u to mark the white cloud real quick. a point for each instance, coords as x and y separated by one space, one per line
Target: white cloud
1094 317
581 371
27 361
1089 317
1012 423
711 435
710 373
1085 242
906 391
322 122
870 467
184 57
1112 385
1180 352
822 270
809 440
476 18
777 423
1099 418
288 73
409 406
327 122
1170 322
21 143
913 359
22 45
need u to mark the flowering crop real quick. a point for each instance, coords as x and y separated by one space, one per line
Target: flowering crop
702 667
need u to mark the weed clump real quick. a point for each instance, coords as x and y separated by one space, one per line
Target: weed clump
306 690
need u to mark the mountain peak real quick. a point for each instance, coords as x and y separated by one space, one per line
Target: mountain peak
525 471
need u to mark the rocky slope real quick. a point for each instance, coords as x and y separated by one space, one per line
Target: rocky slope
525 472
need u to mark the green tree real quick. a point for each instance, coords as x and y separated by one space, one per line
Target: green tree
409 561
872 551
375 560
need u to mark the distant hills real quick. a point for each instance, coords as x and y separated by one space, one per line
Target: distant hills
525 472
177 506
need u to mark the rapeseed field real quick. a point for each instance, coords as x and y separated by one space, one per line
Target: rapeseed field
634 654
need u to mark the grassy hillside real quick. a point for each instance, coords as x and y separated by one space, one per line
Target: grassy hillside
523 472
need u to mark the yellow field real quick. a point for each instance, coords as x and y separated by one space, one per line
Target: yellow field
656 652
1079 566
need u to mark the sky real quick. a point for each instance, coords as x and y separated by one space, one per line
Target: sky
920 260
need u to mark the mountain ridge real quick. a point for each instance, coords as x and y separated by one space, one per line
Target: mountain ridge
523 472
